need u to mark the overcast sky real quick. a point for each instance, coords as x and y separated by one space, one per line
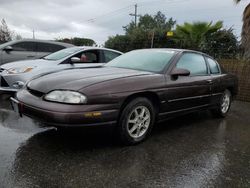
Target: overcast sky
98 19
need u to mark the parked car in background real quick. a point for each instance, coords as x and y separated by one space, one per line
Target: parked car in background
28 49
132 91
14 75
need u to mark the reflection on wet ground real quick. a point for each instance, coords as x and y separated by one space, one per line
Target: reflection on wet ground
192 151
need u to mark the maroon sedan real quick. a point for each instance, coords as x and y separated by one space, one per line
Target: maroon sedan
133 91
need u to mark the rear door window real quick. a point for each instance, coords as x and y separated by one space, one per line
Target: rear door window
110 55
213 65
47 47
193 62
24 46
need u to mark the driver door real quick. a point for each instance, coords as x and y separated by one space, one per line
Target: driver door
189 92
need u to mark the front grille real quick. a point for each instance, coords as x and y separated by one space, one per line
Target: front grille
35 92
3 82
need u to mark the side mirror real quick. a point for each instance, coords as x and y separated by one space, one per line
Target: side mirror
8 48
75 60
179 72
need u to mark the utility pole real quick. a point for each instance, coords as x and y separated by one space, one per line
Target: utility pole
135 15
33 31
152 39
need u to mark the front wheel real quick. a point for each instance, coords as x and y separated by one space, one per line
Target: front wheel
224 106
136 121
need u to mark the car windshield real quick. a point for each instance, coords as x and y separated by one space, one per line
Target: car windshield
145 60
62 54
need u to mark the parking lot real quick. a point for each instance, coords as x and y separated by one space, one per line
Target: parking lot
192 151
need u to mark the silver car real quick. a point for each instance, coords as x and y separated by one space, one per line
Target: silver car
28 49
13 76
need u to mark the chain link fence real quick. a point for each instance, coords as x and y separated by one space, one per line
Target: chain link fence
242 70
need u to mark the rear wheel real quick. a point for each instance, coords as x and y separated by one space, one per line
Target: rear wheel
224 106
136 121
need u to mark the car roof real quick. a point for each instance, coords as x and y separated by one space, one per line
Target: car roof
45 41
178 50
96 48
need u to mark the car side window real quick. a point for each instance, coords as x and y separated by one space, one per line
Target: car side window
109 55
193 62
47 47
90 56
24 46
214 67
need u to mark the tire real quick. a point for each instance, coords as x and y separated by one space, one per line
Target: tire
135 127
225 103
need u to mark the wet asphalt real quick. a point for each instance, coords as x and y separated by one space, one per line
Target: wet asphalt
195 150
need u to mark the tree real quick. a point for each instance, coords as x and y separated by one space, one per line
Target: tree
18 37
78 41
194 35
209 38
222 44
245 33
118 42
5 33
140 36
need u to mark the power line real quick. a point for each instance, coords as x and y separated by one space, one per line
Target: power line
161 2
109 13
141 4
118 11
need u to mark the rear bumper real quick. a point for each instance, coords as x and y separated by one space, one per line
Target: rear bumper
61 115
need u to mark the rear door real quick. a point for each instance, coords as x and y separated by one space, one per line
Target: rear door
216 88
188 92
21 50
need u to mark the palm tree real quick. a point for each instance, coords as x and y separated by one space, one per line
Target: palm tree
194 35
245 33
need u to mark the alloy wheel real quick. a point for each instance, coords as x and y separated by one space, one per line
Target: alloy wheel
225 102
138 121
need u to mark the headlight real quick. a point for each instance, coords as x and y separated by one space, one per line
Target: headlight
63 96
20 70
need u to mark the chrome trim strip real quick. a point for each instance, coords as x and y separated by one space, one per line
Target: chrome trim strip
186 109
188 98
8 89
214 94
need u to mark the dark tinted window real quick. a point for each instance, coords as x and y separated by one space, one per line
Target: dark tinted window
214 68
24 46
47 47
195 63
109 55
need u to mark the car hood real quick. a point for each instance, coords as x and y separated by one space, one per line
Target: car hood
77 79
28 63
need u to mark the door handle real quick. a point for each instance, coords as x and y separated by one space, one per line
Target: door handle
209 81
30 56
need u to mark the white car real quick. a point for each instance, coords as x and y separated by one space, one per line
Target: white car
13 76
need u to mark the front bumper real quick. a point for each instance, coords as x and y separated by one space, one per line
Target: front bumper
8 89
11 83
64 115
4 85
